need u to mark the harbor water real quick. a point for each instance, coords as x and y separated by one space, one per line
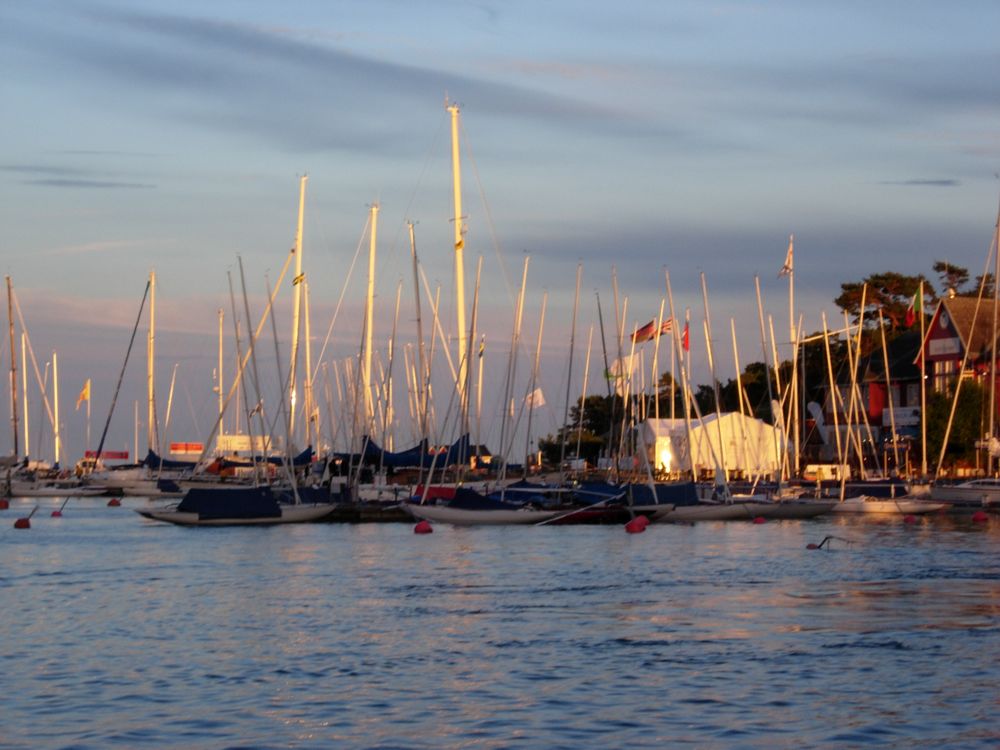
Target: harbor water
122 632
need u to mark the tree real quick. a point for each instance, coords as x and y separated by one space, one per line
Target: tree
952 277
966 428
889 291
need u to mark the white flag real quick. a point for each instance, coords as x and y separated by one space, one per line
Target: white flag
535 399
786 270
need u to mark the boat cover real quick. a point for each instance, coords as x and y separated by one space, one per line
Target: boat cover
230 502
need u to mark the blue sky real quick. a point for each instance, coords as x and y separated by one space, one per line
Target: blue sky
691 136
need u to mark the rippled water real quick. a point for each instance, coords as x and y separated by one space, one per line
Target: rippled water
120 632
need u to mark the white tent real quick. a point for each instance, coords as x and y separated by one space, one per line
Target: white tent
748 445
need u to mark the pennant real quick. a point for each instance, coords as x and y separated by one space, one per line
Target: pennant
789 267
84 395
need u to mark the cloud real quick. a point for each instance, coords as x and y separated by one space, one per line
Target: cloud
103 185
923 183
69 177
288 89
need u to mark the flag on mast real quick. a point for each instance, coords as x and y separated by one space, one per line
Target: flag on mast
916 308
648 331
789 267
686 338
84 395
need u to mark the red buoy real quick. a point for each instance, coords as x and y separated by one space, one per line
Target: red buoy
57 514
22 523
637 525
980 517
4 503
114 502
423 527
812 545
759 519
908 518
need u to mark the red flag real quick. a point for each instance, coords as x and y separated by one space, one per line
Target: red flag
645 333
648 331
686 339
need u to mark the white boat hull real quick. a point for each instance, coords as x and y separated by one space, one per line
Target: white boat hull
467 517
712 512
902 505
289 514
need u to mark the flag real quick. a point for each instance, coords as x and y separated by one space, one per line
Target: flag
535 399
789 267
686 338
648 331
482 347
84 395
916 308
620 371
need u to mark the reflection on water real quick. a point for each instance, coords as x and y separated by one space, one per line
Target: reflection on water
121 632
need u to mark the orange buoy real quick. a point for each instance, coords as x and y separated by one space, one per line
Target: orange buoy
637 525
759 519
980 517
22 523
423 527
908 518
114 502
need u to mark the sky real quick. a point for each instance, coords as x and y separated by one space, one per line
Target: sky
631 138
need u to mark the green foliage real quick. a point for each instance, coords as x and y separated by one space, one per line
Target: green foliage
967 425
889 292
952 277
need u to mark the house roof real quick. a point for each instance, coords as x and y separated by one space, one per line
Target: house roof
971 319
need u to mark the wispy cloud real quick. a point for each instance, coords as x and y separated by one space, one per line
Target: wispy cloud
923 183
69 177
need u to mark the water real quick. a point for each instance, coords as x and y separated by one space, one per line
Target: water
120 632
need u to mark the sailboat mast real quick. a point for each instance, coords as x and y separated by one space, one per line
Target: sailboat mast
421 367
456 172
13 366
222 402
297 301
569 368
24 392
151 436
993 352
366 373
55 406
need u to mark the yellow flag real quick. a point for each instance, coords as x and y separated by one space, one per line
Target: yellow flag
84 395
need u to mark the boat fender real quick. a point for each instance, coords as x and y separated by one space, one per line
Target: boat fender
637 525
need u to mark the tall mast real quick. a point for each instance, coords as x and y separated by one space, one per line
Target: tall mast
151 441
366 373
456 174
297 301
793 414
13 366
55 406
222 400
312 415
24 392
421 367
